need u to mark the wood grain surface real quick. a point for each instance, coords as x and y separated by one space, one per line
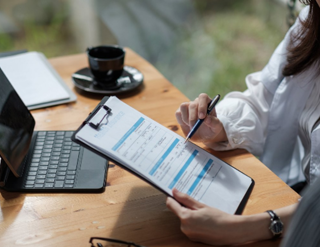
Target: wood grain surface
129 209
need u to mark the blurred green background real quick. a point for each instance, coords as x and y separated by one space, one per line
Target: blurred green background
199 45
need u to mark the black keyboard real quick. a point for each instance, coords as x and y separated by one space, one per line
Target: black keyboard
54 161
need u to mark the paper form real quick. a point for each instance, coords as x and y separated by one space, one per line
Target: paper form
160 156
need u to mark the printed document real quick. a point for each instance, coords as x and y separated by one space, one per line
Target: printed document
160 156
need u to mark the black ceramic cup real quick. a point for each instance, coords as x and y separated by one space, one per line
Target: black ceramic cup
106 64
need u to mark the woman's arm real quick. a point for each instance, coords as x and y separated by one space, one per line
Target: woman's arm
208 225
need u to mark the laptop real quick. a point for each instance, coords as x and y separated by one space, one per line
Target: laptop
42 161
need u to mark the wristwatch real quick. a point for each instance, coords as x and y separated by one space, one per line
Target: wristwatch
276 225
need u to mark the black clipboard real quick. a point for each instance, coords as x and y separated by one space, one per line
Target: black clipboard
96 125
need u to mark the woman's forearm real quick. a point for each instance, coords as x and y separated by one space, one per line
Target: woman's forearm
256 227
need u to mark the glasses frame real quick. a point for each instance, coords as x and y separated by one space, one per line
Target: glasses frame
129 244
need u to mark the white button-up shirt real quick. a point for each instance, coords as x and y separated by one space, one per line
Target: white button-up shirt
274 117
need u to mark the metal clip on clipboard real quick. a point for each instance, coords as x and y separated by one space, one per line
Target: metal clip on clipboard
105 116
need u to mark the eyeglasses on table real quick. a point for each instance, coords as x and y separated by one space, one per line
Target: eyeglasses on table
109 242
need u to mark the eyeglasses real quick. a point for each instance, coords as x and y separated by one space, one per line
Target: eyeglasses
108 242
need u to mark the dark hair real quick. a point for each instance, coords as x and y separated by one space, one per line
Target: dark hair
304 49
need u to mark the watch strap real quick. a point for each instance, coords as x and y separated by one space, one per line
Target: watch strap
273 215
274 218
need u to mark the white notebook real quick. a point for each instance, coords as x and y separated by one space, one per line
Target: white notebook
160 157
35 80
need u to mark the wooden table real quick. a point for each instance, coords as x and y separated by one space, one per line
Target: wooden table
129 209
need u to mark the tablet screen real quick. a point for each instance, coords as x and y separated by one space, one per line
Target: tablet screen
16 127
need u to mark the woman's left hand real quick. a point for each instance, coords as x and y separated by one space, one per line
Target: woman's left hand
201 223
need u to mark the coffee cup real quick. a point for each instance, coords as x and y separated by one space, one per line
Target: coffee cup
106 64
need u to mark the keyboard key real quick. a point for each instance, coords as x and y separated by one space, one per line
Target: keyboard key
69 134
38 185
51 175
58 184
61 173
31 178
69 181
63 164
60 177
71 172
40 181
52 171
48 185
68 185
42 172
70 177
50 180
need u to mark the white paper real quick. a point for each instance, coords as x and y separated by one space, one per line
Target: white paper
160 155
32 79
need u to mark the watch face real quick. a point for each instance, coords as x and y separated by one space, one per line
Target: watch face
276 227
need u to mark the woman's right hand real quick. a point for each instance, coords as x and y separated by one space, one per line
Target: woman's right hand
211 129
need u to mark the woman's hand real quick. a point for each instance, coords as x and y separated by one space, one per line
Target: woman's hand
201 223
211 129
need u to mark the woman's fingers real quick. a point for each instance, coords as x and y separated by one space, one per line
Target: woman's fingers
186 200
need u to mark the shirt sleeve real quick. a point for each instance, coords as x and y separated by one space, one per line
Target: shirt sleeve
244 116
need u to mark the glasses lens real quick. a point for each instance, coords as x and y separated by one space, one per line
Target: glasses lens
107 243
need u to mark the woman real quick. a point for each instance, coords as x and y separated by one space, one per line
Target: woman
275 118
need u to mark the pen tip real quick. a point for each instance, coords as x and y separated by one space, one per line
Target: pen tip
185 141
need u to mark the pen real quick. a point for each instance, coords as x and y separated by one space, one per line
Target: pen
211 105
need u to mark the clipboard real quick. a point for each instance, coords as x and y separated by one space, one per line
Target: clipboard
105 111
